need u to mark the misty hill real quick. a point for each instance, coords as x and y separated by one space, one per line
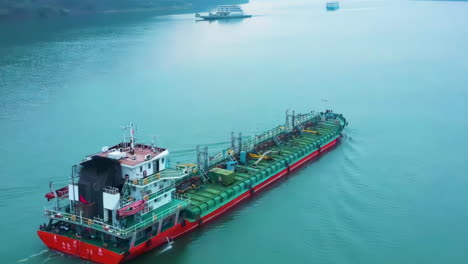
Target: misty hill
48 8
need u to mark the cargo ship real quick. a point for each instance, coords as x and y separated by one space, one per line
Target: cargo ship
128 199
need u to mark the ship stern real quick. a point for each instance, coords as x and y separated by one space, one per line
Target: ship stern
81 249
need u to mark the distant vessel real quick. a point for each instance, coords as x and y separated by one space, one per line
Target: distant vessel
334 5
224 12
126 200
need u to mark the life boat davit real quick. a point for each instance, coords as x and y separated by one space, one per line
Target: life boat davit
60 192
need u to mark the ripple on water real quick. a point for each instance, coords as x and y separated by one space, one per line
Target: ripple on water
9 194
350 199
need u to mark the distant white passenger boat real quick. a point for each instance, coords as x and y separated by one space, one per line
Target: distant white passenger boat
333 5
224 12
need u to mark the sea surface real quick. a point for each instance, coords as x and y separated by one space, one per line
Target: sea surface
394 191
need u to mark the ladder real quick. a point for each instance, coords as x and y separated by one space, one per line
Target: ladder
203 174
125 187
300 128
232 158
125 193
277 140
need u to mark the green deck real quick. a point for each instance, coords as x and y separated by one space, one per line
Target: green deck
212 196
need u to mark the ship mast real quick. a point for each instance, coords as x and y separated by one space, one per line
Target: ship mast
124 130
132 138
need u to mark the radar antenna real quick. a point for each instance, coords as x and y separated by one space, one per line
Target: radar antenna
124 130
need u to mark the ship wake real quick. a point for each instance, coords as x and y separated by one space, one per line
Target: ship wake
32 256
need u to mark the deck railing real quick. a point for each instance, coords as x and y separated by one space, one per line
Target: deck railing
300 119
184 202
249 144
76 219
115 230
155 177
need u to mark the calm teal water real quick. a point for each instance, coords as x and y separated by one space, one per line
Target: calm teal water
393 192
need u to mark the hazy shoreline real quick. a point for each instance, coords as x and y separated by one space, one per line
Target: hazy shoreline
49 13
44 9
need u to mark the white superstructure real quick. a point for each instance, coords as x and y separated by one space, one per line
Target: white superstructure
231 9
223 12
125 187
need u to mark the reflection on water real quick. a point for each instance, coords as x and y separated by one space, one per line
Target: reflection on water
222 21
232 21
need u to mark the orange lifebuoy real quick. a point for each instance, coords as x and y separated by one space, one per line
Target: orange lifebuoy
90 222
73 217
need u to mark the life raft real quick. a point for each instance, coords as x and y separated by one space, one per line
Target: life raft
132 208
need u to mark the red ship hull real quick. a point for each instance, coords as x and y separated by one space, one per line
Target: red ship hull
101 255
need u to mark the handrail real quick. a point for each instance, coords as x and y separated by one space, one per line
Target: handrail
115 230
270 134
72 218
155 217
152 178
249 144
